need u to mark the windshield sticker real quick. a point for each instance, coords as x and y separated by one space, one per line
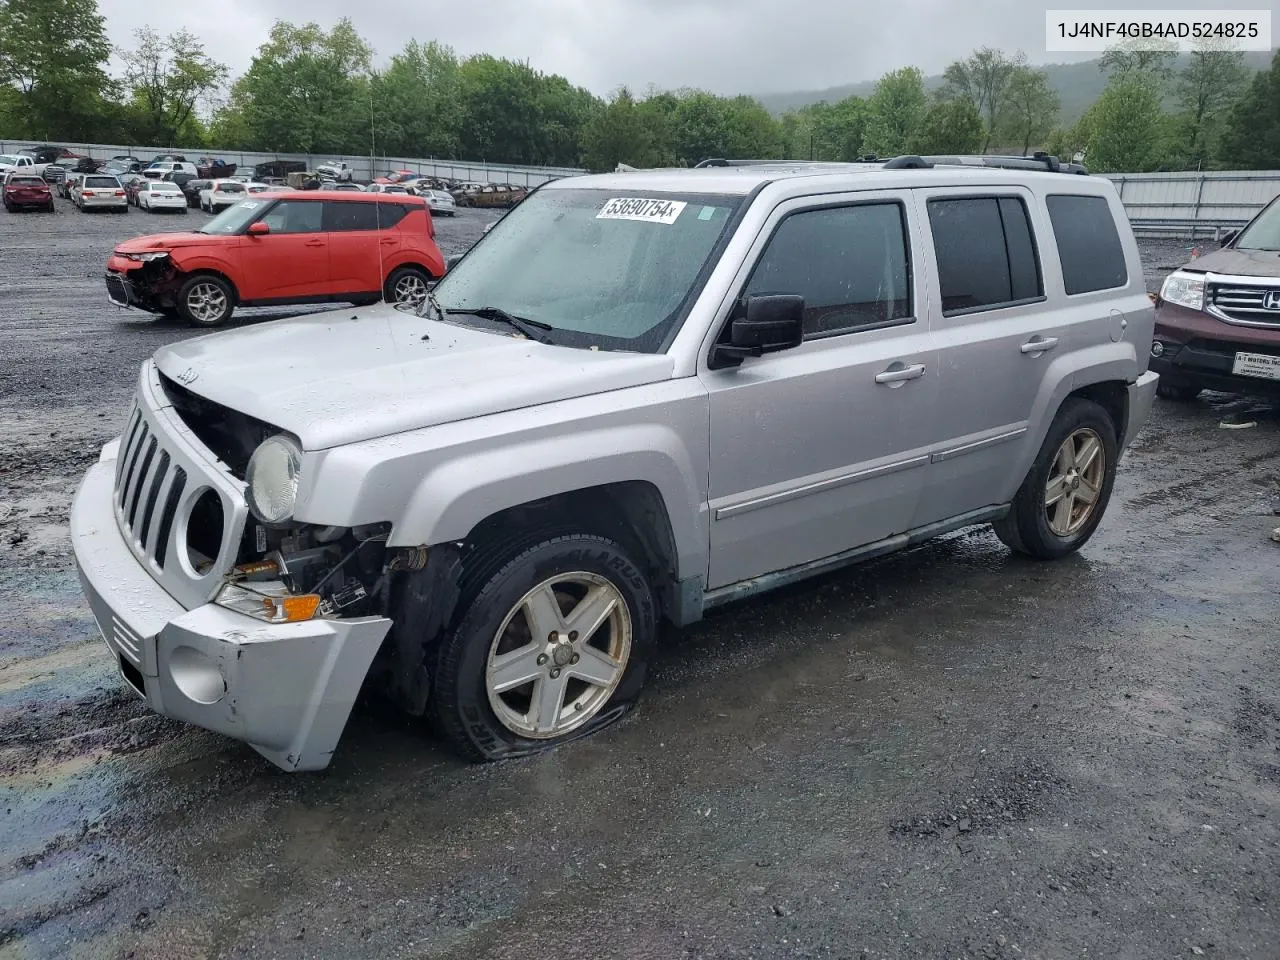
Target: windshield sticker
706 213
635 208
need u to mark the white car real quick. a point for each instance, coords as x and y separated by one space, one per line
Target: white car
10 162
157 170
251 186
440 203
334 170
387 188
221 193
99 191
161 195
343 185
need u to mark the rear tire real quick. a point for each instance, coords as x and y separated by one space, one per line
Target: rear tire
205 300
1177 392
1066 491
520 605
406 285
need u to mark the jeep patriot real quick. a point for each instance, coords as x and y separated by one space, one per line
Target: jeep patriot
641 396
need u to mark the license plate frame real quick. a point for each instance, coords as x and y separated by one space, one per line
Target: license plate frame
1261 366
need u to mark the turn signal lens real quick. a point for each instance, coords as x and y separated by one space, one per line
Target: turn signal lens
291 609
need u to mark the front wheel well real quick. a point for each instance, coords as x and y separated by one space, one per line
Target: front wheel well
182 276
631 512
1112 396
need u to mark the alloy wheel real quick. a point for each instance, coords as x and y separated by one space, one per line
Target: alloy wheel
558 655
206 303
409 289
1075 481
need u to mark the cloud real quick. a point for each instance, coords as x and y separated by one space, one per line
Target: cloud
727 46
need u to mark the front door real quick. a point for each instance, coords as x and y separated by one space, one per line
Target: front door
820 449
292 261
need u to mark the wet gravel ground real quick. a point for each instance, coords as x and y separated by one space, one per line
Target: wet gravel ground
948 753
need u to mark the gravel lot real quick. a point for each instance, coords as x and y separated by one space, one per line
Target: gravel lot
948 753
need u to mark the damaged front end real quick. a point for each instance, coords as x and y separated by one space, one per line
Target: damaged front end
148 281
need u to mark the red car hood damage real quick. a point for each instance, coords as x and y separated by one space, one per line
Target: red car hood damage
168 241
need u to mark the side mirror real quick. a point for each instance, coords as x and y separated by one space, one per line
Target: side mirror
766 323
258 229
1227 237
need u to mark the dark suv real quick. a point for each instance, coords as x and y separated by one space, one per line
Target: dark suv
1218 318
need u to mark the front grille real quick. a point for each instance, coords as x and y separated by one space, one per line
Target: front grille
1245 305
54 174
126 641
148 489
117 291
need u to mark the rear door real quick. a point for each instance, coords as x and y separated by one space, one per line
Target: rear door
362 239
1000 342
292 261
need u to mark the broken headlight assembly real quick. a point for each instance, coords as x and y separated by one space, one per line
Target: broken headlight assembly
145 257
271 481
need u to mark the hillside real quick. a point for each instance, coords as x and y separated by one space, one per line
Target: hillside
1077 84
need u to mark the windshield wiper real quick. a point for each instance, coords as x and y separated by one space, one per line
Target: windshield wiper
524 325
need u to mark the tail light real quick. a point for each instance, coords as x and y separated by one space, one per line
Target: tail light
119 193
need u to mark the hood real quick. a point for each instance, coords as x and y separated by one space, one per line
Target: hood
1241 263
169 241
350 375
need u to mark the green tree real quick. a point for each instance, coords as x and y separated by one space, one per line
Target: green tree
1031 107
950 127
306 90
416 102
700 127
1127 126
753 131
825 131
1252 136
166 78
53 53
895 112
1214 79
624 131
983 78
1152 58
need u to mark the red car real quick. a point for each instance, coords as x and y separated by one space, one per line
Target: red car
313 246
27 190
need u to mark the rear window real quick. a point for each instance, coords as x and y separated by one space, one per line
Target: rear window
231 187
27 181
165 188
349 215
985 251
1088 244
101 183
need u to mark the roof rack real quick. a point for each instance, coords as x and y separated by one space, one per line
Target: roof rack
1037 161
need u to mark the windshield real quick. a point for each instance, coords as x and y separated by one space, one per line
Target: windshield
601 268
1263 233
235 218
8 158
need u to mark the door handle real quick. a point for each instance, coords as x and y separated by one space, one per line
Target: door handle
389 240
1038 344
898 373
314 243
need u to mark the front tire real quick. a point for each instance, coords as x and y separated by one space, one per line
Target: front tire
1064 495
550 647
206 301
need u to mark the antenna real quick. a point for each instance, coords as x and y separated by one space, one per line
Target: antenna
377 204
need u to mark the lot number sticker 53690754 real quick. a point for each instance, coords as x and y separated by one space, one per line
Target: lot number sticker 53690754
636 208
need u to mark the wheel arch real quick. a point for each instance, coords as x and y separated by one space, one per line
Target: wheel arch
202 267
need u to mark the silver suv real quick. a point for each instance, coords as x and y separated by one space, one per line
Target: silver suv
644 395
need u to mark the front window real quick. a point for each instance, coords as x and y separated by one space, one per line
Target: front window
611 269
234 219
1264 232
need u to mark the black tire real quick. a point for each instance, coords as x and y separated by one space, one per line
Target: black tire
1178 392
400 274
493 586
1026 527
50 208
185 303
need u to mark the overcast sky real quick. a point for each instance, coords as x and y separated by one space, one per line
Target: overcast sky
726 46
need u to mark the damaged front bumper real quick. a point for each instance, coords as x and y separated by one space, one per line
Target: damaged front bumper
285 689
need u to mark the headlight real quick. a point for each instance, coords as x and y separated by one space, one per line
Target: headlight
272 479
146 257
1184 289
